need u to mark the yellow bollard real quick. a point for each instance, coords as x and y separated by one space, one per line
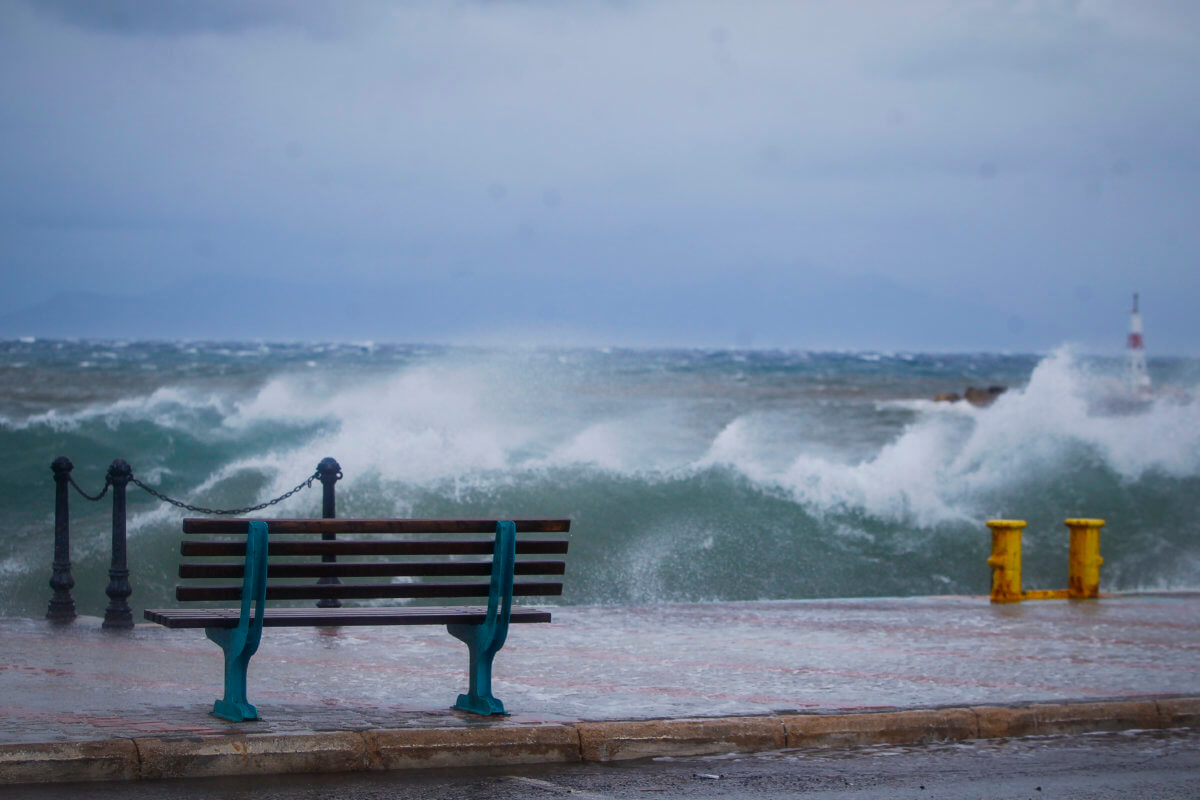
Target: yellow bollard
1006 560
1083 574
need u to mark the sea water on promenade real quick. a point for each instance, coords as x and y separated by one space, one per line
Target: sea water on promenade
631 662
689 474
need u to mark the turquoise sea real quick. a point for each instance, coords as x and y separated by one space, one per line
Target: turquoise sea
688 474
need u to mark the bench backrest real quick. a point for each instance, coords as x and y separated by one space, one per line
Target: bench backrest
440 558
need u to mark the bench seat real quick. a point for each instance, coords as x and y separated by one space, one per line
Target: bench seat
309 617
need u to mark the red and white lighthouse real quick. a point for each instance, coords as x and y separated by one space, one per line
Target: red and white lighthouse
1139 378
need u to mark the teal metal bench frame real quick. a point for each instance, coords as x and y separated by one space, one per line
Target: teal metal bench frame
483 640
240 643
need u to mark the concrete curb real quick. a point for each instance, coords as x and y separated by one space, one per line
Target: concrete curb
415 748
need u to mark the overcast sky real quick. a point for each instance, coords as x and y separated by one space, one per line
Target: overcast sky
900 175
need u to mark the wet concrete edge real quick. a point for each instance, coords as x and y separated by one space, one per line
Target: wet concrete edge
149 758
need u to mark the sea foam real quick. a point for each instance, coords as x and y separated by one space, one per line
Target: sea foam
690 475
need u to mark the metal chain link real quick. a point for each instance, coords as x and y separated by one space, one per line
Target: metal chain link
107 483
224 511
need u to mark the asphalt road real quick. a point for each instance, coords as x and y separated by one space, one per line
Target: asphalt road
1150 764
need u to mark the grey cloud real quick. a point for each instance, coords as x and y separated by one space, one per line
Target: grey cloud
977 148
189 17
1036 42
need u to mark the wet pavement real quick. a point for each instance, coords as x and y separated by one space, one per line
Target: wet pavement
80 683
1164 765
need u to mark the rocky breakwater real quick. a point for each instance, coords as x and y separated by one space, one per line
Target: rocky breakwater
973 395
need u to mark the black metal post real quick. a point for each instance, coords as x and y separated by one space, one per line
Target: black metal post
62 605
118 615
328 473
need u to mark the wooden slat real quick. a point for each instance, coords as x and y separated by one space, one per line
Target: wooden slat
342 547
292 617
206 525
372 569
313 591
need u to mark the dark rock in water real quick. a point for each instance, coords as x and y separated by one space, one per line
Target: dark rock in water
983 397
973 395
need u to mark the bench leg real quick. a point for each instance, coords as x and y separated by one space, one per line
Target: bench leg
233 706
481 642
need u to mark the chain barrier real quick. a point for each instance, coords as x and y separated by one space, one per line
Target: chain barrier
304 484
86 496
118 615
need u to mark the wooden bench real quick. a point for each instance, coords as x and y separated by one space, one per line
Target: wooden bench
283 569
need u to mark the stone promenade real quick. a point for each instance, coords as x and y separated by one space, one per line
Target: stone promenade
80 703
